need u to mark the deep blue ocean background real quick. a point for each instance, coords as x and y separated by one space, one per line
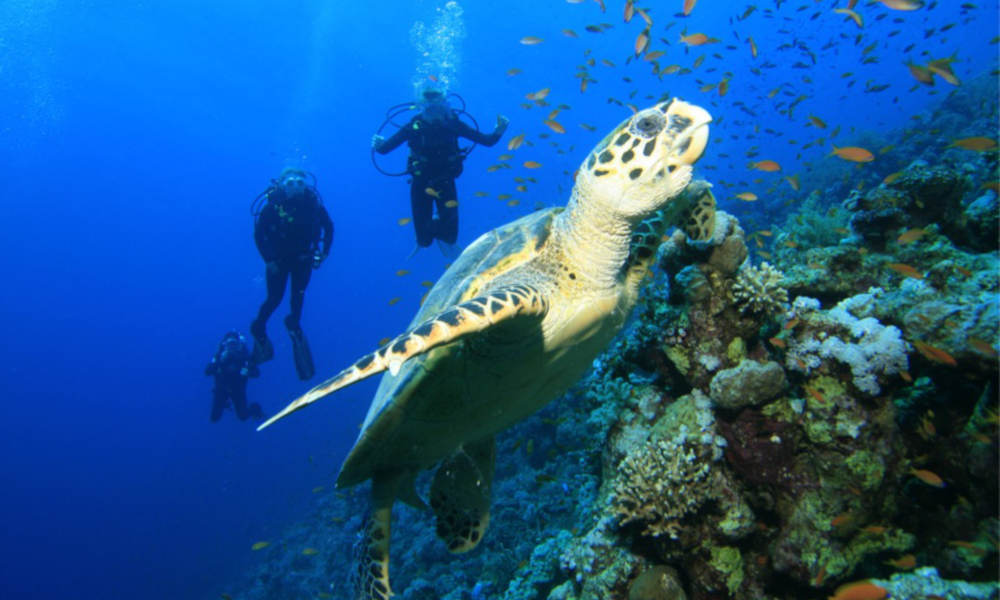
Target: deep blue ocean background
133 137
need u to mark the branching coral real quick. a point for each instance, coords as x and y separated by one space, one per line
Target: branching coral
758 289
669 477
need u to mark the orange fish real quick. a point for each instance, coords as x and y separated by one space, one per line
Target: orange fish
817 122
765 232
512 72
539 95
967 546
942 68
530 40
554 126
905 270
642 42
875 529
978 144
753 47
723 87
432 192
569 33
935 354
747 196
853 15
629 10
910 236
902 4
530 164
792 323
651 56
791 244
853 154
778 343
515 142
903 562
768 166
892 177
815 394
841 519
696 39
982 347
394 300
928 477
793 181
921 73
404 221
859 590
688 6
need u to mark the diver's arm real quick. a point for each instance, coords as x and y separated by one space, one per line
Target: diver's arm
326 223
462 129
396 139
260 233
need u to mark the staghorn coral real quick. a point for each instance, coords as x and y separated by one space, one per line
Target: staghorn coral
758 289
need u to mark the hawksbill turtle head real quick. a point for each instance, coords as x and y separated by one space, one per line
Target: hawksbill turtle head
646 160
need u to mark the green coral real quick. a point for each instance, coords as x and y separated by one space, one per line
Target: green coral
729 562
867 468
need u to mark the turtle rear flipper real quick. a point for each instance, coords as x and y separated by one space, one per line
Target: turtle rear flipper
371 551
450 325
460 495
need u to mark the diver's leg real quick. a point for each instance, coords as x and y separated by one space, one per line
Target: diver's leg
447 209
238 392
423 212
277 278
301 274
218 401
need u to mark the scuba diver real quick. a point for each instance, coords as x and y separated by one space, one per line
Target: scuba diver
293 233
435 161
231 367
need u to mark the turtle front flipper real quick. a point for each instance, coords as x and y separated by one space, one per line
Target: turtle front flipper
460 495
450 325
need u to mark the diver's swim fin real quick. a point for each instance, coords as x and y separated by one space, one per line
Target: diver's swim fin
303 356
263 350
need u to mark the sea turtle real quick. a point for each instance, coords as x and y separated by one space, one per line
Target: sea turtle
514 322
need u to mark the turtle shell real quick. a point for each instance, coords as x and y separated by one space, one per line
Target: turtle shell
417 417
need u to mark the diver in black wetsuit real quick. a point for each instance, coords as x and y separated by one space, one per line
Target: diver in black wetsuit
231 367
293 232
434 163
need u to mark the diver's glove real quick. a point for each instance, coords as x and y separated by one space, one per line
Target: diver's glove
377 141
318 259
502 123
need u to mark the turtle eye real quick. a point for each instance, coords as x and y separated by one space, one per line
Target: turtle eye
648 123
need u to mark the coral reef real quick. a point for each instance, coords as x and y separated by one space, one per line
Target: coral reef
758 289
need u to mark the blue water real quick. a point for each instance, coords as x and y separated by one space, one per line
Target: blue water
135 135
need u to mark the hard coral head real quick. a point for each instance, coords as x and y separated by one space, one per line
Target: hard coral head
647 159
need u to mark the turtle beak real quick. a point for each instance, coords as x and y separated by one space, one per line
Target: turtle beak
689 125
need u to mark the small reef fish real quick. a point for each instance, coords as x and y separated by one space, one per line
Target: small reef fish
852 15
817 122
903 4
978 144
905 270
875 529
402 272
642 42
942 68
934 354
432 192
688 6
982 347
394 300
697 39
903 562
928 477
309 551
793 181
569 33
515 142
967 546
451 203
747 196
911 235
531 40
555 126
404 221
921 73
260 545
859 590
512 72
853 154
481 194
768 166
531 164
539 95
384 341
